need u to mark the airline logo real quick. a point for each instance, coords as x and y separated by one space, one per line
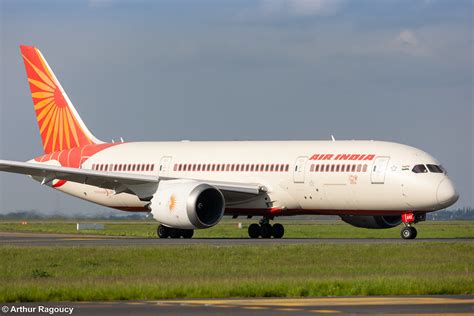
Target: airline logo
342 157
58 125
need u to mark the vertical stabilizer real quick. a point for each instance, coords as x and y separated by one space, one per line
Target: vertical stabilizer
60 125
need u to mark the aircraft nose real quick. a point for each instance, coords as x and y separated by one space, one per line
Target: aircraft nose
446 193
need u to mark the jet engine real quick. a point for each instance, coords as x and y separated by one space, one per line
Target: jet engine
187 204
377 222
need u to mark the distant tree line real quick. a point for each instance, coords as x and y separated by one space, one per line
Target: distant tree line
31 215
464 213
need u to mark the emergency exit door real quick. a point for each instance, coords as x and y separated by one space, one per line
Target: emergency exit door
299 171
164 166
378 170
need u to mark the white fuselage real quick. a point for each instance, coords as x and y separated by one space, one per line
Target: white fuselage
301 177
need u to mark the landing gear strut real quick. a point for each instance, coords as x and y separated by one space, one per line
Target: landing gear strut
408 232
265 230
175 233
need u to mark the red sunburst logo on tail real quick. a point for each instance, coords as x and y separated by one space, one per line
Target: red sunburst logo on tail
60 126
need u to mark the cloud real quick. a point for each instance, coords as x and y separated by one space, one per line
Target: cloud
407 42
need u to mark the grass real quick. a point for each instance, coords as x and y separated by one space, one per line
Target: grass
203 271
228 229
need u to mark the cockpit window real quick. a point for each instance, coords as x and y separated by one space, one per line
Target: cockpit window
434 168
419 169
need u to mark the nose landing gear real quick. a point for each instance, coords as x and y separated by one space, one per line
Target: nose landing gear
265 230
408 232
408 219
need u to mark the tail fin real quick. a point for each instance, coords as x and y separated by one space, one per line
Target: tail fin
60 125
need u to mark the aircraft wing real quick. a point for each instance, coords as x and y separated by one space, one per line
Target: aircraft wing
144 186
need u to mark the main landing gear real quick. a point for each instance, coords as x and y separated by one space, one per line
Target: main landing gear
175 233
408 219
265 230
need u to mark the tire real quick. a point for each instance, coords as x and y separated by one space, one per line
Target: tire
414 232
163 231
187 233
175 233
407 233
278 231
254 231
266 231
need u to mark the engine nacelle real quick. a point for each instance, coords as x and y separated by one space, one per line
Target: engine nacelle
187 204
376 222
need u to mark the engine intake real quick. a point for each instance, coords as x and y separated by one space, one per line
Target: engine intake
187 204
376 222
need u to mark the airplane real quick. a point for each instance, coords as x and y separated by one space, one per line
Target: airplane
187 185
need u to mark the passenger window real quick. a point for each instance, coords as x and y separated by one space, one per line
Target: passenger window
359 168
353 168
337 168
332 168
152 167
434 169
327 168
364 169
287 168
267 167
322 167
419 169
317 168
311 168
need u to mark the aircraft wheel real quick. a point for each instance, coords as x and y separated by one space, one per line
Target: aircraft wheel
278 231
187 233
163 231
175 233
408 232
266 231
254 231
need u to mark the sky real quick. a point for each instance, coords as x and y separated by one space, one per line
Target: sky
394 70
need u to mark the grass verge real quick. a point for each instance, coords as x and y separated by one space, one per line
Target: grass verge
135 273
228 229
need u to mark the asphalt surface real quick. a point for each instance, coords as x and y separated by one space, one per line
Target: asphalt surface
43 239
424 305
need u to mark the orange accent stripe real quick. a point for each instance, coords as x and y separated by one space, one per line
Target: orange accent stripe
72 123
43 103
50 111
66 129
42 95
50 129
55 129
61 129
40 85
41 74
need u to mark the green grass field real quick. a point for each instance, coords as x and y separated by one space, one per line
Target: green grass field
228 228
154 272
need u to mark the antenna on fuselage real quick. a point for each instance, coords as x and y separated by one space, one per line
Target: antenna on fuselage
333 139
121 139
